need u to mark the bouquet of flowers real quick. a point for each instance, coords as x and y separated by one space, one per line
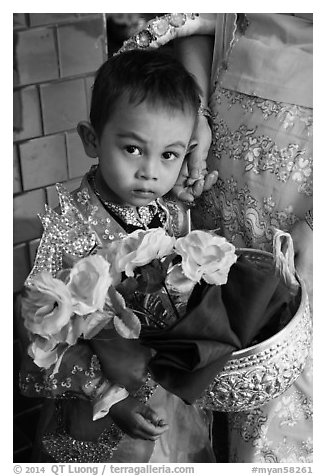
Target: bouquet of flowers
93 294
192 299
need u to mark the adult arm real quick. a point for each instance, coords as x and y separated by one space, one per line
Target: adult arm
196 52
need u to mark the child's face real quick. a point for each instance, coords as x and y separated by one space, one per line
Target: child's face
141 151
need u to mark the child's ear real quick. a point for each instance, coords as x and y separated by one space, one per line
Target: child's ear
89 138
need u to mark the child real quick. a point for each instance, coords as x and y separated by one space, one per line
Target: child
143 112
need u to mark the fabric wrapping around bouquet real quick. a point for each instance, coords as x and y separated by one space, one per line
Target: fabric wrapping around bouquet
219 321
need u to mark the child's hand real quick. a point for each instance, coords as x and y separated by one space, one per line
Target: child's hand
137 419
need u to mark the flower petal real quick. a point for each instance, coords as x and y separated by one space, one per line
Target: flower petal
42 358
176 280
96 321
127 324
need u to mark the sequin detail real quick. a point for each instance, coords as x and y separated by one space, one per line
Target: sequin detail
136 216
67 233
64 448
40 384
155 29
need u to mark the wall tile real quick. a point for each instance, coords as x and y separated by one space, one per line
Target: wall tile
37 19
20 332
52 195
27 225
89 81
43 161
35 56
21 266
63 105
78 162
82 46
32 247
17 187
19 20
30 114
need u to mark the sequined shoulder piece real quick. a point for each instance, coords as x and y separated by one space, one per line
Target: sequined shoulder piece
68 232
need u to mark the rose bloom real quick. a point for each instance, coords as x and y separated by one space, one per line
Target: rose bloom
47 306
88 284
108 253
43 352
141 247
205 256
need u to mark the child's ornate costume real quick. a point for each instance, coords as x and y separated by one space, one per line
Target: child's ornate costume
67 430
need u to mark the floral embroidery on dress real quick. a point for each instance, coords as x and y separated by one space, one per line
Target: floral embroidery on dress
261 154
255 430
243 219
276 432
287 114
248 424
293 409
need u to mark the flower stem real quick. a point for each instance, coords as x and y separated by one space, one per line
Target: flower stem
171 302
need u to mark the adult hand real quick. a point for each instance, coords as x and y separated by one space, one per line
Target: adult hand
302 237
193 178
137 419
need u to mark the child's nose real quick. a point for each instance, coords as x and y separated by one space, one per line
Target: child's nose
148 170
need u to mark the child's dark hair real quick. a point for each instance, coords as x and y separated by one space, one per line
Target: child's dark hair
142 75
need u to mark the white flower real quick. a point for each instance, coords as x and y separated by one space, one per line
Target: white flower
205 256
47 306
88 284
141 247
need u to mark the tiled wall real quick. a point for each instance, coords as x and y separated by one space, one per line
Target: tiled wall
55 58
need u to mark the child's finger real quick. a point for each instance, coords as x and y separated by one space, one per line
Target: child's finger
147 430
150 415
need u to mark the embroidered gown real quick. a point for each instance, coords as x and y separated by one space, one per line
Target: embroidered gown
66 430
261 101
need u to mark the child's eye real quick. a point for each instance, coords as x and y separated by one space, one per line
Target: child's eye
170 155
133 150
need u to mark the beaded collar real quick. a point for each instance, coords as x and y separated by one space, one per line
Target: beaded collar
138 216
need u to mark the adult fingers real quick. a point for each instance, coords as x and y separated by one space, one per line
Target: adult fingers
183 194
210 180
198 188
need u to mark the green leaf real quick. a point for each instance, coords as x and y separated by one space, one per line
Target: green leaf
127 287
151 277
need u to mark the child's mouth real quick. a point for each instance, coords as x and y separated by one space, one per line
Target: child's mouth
143 193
